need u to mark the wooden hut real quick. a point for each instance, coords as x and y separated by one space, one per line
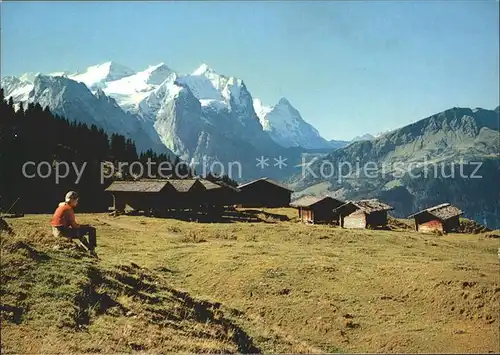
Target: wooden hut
265 192
156 195
316 210
363 214
219 195
443 218
138 195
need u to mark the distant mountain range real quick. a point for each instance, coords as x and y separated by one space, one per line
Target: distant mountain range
437 143
202 116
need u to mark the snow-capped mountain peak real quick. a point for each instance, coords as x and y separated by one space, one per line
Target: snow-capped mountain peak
199 115
97 75
201 87
216 90
16 88
61 73
203 69
28 77
262 112
207 86
284 101
156 74
286 126
131 90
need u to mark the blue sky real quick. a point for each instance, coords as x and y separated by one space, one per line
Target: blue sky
348 67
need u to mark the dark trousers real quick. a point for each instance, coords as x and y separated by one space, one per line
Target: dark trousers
80 233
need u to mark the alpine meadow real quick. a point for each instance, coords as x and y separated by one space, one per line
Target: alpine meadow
249 177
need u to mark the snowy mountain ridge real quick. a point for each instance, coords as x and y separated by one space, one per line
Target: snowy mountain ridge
201 116
139 92
98 75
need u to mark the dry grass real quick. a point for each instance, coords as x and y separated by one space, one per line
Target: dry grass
56 299
281 285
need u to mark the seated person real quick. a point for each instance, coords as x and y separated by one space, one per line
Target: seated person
64 223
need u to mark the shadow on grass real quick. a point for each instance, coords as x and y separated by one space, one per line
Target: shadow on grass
160 304
11 313
204 311
33 253
227 216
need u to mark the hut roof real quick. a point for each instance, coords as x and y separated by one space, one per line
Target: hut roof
367 206
308 201
443 211
137 186
151 185
226 185
267 180
209 185
182 185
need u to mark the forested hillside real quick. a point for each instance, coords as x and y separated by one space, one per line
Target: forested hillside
34 134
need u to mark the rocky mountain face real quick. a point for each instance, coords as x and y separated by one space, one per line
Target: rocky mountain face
393 166
452 134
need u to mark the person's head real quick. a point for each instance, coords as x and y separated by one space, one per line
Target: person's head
71 199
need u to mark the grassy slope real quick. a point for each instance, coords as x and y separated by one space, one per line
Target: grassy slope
290 287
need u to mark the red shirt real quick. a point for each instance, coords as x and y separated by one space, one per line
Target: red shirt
64 216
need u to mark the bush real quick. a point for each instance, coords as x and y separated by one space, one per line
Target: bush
192 236
471 227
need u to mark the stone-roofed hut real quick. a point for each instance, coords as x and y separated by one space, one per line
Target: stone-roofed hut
363 214
443 218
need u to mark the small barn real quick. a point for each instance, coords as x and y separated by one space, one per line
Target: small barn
265 192
157 195
317 210
363 214
443 218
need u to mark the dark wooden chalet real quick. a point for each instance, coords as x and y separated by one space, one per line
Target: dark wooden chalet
156 195
219 195
265 192
443 218
363 214
315 210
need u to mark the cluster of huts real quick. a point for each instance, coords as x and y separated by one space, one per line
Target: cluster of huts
372 213
201 194
351 214
195 194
